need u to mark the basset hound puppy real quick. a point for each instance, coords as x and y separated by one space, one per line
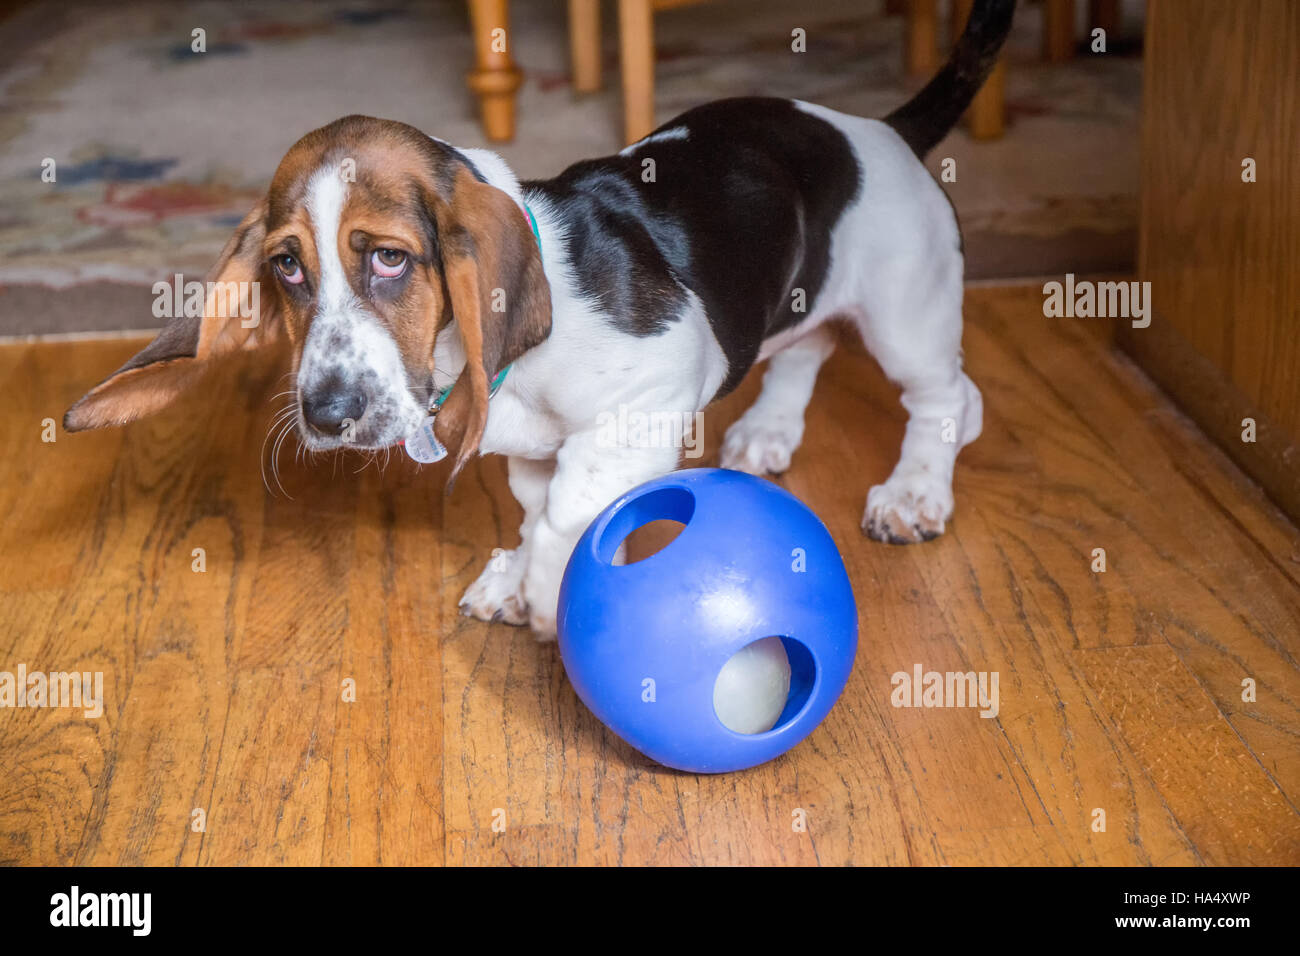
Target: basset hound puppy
433 300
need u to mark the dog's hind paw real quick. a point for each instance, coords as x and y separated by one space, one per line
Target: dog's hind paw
907 509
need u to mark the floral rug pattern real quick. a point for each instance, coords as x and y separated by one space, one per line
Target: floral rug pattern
158 150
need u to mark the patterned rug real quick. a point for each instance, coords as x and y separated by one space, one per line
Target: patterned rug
158 150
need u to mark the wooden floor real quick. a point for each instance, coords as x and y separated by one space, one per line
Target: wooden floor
1119 691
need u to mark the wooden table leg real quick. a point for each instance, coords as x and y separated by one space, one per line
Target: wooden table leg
584 44
987 114
495 79
988 111
1058 30
637 46
921 45
1105 14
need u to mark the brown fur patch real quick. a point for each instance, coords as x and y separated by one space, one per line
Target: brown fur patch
175 360
470 251
499 296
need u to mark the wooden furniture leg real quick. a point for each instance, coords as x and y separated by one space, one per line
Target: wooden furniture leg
584 44
1105 14
637 47
987 115
495 79
921 46
988 111
1058 30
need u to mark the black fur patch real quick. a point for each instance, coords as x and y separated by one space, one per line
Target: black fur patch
740 211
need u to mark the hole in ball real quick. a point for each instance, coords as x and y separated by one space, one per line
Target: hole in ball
764 685
649 540
647 525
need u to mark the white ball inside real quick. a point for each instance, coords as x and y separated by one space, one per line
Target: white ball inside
752 687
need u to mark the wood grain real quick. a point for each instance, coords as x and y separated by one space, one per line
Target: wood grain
1222 85
1119 691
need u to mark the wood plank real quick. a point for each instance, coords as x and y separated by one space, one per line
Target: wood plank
1218 251
1119 691
1224 599
1165 720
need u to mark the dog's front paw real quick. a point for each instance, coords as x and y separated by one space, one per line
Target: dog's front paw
908 508
498 594
542 587
761 444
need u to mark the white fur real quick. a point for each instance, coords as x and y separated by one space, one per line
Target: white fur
663 136
327 191
896 272
763 439
549 408
347 341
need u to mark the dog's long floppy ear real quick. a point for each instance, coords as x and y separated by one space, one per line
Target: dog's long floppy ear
239 312
498 294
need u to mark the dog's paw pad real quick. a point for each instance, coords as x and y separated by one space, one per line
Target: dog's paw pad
907 510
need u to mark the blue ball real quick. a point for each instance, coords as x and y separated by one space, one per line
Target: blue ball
643 643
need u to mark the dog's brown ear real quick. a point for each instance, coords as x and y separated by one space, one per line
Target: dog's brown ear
239 312
498 296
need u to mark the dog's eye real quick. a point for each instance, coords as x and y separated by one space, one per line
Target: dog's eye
288 267
389 263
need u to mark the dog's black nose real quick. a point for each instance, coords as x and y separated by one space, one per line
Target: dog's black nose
330 412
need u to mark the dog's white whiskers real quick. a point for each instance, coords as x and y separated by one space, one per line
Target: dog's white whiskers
285 429
280 417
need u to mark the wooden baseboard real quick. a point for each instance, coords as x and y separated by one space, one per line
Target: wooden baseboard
1206 395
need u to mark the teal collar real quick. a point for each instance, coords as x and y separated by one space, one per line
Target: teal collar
496 384
532 221
501 376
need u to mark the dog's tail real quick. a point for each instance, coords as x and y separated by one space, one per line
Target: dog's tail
926 118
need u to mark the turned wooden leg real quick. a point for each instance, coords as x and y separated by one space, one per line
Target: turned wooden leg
584 44
1058 30
637 46
495 79
921 46
987 114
